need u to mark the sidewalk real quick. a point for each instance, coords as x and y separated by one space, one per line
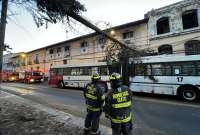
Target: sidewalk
19 116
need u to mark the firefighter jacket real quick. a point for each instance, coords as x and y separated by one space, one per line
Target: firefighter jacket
94 96
118 105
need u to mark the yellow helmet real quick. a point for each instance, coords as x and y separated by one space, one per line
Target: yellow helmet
115 76
95 76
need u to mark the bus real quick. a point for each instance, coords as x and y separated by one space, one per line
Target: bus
78 75
167 74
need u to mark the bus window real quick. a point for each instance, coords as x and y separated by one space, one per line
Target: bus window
188 69
184 69
115 68
94 70
198 68
85 70
60 71
139 69
176 69
148 70
158 69
168 70
103 70
142 69
67 71
52 72
75 71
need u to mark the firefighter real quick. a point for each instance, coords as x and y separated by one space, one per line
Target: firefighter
94 96
117 107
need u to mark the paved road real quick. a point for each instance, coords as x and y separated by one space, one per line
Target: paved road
152 116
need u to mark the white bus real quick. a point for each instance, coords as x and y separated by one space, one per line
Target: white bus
167 74
77 75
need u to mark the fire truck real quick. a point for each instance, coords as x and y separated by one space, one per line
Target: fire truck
10 76
31 76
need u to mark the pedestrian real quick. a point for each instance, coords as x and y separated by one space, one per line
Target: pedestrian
94 96
118 104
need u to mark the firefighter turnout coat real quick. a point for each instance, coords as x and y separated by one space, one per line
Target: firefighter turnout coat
94 95
118 105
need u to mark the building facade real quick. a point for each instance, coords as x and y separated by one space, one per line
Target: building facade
35 60
89 48
19 61
174 29
7 63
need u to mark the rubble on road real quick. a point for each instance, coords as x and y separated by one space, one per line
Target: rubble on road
22 119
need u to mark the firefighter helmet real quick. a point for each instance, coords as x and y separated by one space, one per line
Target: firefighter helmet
115 76
95 76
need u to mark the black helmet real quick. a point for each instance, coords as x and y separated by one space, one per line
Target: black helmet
95 76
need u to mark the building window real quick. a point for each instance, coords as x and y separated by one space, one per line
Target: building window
51 51
84 47
67 48
64 61
128 35
190 19
192 47
102 40
58 50
36 59
163 25
165 49
29 60
67 51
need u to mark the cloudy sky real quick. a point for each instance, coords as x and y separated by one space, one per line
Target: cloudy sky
23 35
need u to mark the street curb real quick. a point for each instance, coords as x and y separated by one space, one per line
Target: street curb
60 116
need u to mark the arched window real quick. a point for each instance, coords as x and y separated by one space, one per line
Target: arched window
165 49
190 19
192 47
162 25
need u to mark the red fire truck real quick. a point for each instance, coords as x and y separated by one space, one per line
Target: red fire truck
31 76
10 76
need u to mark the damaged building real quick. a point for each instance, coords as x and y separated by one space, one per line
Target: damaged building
175 29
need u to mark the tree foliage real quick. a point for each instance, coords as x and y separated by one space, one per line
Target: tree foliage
119 54
51 11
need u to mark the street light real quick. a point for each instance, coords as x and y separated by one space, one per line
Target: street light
112 33
23 55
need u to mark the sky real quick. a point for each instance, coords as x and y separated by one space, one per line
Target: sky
23 35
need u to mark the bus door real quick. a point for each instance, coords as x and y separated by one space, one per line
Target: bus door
53 77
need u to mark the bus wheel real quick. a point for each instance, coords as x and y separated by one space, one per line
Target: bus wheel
61 85
189 94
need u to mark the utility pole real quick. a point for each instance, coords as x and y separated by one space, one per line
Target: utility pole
4 8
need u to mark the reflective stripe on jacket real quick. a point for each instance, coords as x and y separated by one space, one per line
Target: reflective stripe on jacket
122 120
94 95
118 105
